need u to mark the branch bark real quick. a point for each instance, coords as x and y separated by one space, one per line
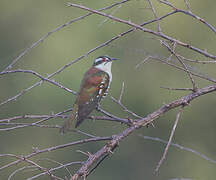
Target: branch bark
138 123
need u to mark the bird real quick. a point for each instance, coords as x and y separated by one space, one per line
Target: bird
93 88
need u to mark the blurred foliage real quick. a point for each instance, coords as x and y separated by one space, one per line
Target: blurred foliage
24 22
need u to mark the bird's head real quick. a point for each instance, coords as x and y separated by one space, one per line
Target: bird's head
103 60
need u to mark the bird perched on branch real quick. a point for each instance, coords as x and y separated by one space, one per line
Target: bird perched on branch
94 87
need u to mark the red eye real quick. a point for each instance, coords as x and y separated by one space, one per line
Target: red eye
104 59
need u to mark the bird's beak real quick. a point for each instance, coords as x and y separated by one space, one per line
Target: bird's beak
113 59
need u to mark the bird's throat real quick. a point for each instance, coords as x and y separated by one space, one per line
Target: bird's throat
106 67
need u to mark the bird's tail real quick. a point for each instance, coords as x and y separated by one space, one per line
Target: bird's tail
68 123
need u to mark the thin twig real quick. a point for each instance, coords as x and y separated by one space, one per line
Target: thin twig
54 169
22 158
155 15
170 140
83 56
84 133
205 77
113 116
54 148
142 62
187 5
122 91
55 30
180 147
182 63
121 105
125 108
27 124
39 76
195 61
182 69
37 122
112 13
178 89
28 116
51 160
18 170
145 30
188 12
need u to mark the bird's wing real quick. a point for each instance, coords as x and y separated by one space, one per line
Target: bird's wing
92 89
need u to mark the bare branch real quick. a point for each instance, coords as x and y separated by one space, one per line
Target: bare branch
182 63
31 117
30 162
20 169
125 121
155 15
39 76
178 89
55 30
170 140
195 61
188 12
51 160
180 147
93 160
145 30
81 57
187 5
121 105
54 148
54 169
122 91
142 62
111 145
112 13
36 123
205 77
125 108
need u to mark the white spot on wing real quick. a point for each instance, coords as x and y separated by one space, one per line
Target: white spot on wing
100 91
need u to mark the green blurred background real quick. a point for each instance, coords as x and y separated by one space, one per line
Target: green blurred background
24 22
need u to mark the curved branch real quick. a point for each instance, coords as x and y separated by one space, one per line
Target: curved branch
159 34
39 76
112 144
55 30
81 57
37 151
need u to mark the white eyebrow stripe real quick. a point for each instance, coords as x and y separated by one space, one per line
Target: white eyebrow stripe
98 59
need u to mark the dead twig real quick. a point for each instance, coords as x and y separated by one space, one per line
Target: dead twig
180 147
170 140
55 30
155 15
